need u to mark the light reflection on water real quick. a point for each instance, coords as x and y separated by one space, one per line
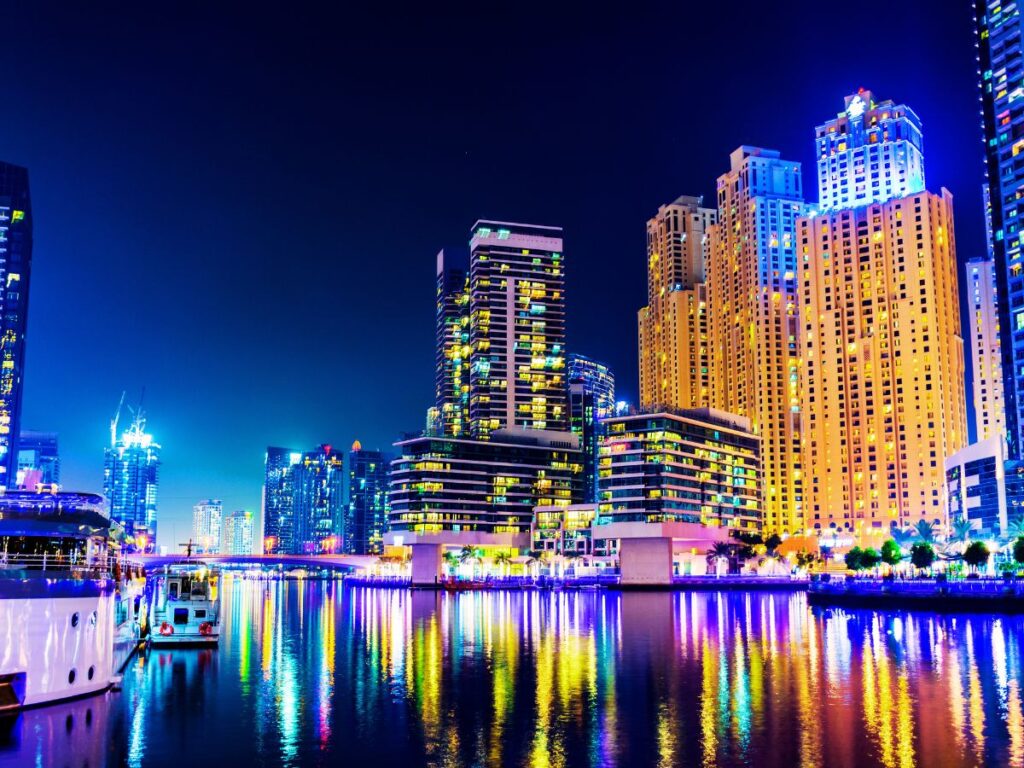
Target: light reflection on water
316 674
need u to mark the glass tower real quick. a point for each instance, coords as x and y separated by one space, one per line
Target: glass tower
206 526
15 269
278 502
591 399
366 519
318 494
130 477
451 413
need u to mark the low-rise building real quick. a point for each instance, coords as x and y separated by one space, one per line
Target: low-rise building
564 530
976 486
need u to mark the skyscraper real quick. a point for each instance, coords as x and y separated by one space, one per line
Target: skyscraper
516 328
239 533
318 493
591 399
130 477
206 526
38 459
752 295
366 519
278 500
882 378
986 356
1000 46
453 349
15 270
673 327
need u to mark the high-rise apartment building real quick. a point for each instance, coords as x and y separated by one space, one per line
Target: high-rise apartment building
318 500
278 500
451 406
591 399
986 355
673 327
239 533
366 519
516 328
130 478
38 460
869 153
753 301
206 526
1000 46
882 377
15 269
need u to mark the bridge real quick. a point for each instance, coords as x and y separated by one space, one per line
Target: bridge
350 563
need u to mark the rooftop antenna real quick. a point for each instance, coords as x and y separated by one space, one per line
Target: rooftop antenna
113 421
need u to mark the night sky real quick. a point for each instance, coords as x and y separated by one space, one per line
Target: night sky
240 212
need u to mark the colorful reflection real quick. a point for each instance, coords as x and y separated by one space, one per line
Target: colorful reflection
314 673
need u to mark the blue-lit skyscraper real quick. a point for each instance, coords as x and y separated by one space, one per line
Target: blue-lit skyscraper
1000 40
15 269
451 416
591 399
130 476
366 519
318 497
278 501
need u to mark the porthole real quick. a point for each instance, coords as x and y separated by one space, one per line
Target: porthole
74 619
71 676
92 672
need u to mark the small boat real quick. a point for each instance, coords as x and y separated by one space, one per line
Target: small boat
186 608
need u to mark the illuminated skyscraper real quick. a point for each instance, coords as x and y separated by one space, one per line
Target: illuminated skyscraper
451 417
516 328
130 478
366 519
986 356
278 500
883 371
239 537
15 269
206 526
1000 46
591 399
318 499
38 459
752 296
869 153
674 358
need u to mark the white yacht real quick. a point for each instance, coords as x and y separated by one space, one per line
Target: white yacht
186 605
58 597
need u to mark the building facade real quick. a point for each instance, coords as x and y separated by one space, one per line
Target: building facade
673 327
1000 47
516 328
278 500
986 355
318 501
130 481
975 487
692 466
753 298
366 519
206 526
883 371
38 460
239 533
450 415
591 399
15 270
481 492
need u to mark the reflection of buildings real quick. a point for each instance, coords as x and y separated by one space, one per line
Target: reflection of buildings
38 460
206 525
130 476
366 518
15 269
238 533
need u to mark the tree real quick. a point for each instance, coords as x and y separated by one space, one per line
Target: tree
902 536
772 543
1015 527
891 554
452 560
925 531
961 529
467 555
1018 550
976 554
922 555
806 560
503 560
855 559
870 558
721 549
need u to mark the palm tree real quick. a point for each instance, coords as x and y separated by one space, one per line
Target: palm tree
452 560
902 536
924 531
1015 527
720 551
503 560
467 555
961 530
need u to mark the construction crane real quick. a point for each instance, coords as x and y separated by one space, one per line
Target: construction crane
113 421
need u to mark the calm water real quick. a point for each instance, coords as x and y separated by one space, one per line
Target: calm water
317 674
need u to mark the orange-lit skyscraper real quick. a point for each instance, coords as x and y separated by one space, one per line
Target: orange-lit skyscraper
752 296
673 327
882 379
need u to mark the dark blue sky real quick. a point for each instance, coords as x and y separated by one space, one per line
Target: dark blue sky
240 211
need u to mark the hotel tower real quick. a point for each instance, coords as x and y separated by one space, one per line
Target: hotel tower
882 380
753 296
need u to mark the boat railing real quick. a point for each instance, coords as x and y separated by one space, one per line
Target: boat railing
74 563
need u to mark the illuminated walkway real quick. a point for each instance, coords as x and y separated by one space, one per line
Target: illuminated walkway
337 562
